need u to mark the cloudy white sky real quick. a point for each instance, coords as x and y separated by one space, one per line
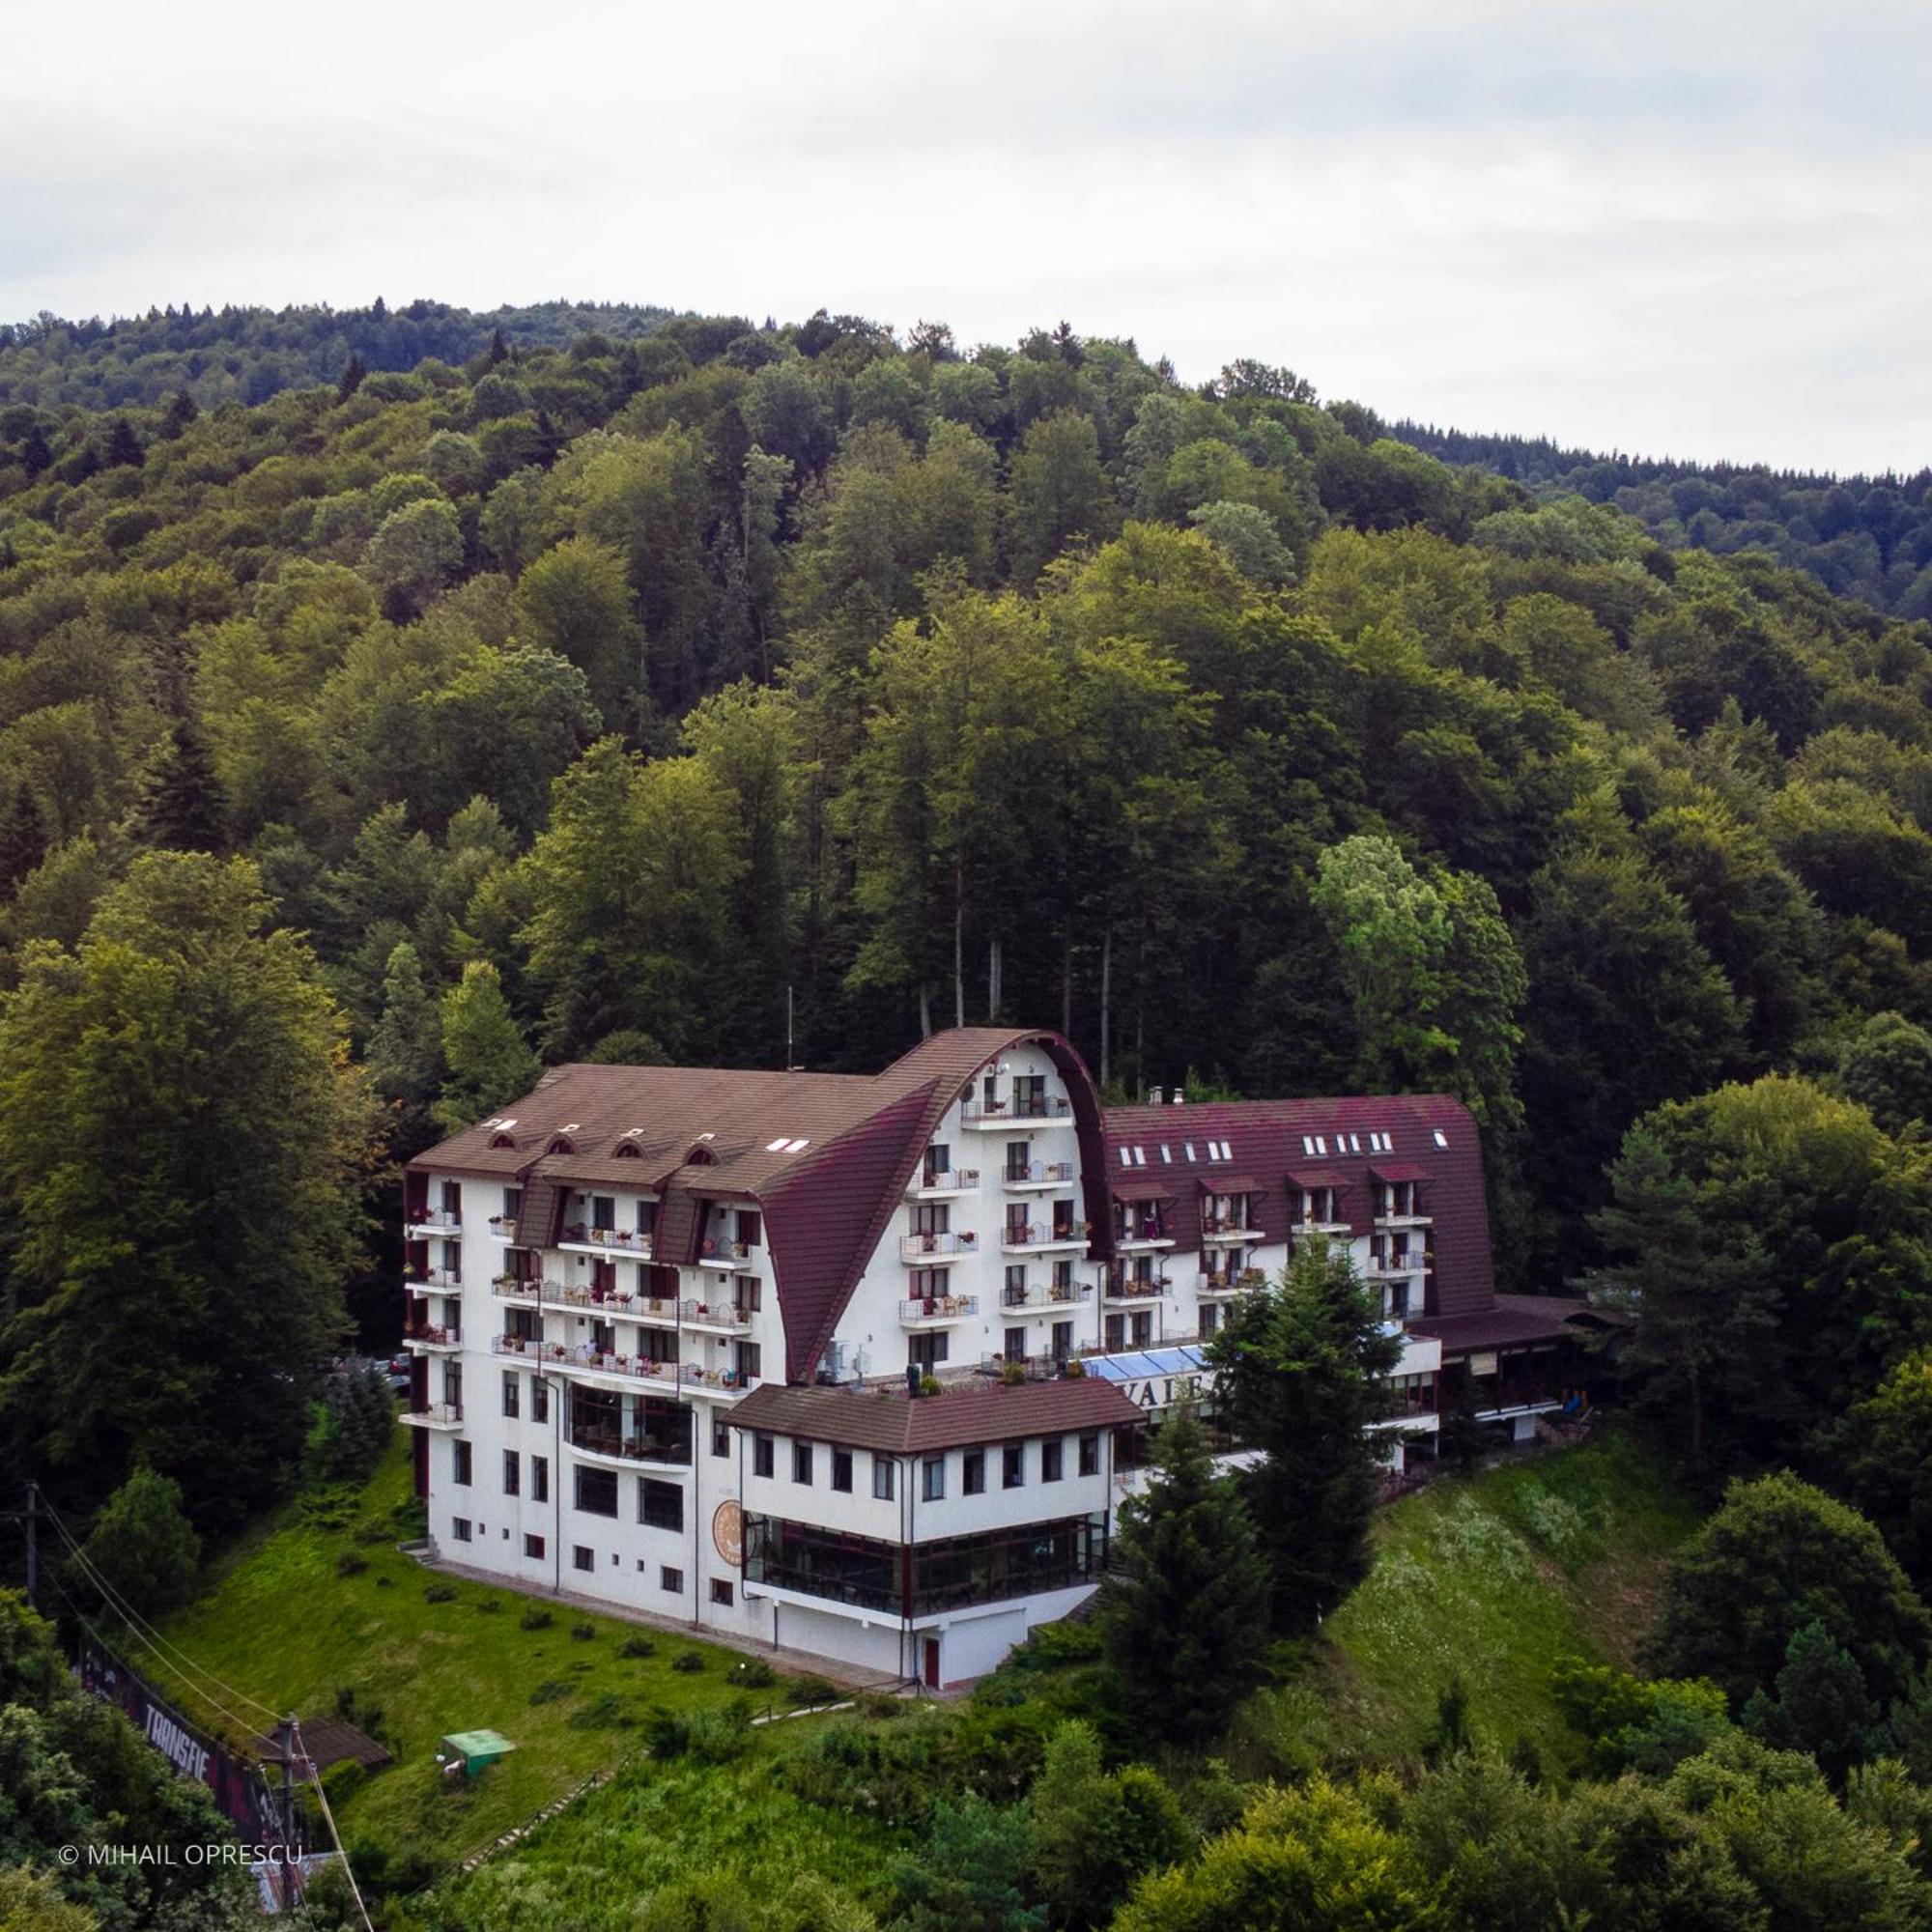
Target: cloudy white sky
1702 228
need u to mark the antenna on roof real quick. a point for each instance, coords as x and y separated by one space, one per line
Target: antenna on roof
792 1064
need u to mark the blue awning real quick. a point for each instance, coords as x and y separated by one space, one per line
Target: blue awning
1187 1358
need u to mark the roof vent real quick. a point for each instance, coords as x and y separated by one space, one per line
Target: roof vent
1156 1097
1179 1096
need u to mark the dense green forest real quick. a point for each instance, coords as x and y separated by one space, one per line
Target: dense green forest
248 354
614 698
1867 537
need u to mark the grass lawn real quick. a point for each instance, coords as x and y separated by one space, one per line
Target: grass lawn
1497 1578
592 1868
280 1621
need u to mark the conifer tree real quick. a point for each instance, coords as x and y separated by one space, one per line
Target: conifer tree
186 810
123 446
352 379
23 838
1301 1368
1184 1619
489 1062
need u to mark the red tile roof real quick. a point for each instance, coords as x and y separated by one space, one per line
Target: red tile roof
1264 1141
895 1423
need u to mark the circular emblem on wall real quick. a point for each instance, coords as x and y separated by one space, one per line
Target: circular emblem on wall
728 1532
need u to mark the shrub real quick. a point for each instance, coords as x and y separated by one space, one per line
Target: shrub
752 1673
688 1661
582 1632
535 1618
812 1691
490 1607
636 1646
341 1781
143 1545
350 1563
603 1712
550 1691
881 1706
437 1593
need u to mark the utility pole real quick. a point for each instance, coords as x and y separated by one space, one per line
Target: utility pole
33 1539
285 1757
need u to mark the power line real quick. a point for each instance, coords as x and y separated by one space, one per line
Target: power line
328 1819
155 1638
242 1727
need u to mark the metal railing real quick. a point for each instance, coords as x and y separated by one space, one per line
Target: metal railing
938 1308
939 1241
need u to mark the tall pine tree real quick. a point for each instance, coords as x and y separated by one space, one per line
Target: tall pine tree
1184 1618
1302 1371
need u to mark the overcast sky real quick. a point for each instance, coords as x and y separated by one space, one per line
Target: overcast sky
1702 229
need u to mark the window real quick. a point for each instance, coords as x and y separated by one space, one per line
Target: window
460 1453
1051 1455
1013 1462
513 1202
539 1400
721 1436
1090 1454
748 1292
750 1360
763 1455
1063 1340
801 1462
926 1350
672 1580
540 1479
973 1472
660 1505
882 1478
1440 1139
720 1592
841 1470
604 1212
533 1549
512 1473
510 1379
452 1198
932 1479
460 1528
583 1556
751 1227
1015 1345
597 1491
1211 1321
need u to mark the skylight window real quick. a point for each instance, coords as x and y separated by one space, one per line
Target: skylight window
1441 1139
778 1146
1308 1143
1167 1154
1127 1157
1140 1156
1321 1143
1187 1148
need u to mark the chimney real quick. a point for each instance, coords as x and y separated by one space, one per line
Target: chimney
1155 1095
1179 1098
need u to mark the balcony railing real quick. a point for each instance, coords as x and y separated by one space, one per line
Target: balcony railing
438 1218
435 1414
443 1281
937 1245
1139 1288
1385 1266
515 1287
617 1240
953 1180
1037 1173
1144 1234
924 1311
504 1227
1043 1234
607 1362
719 1253
1229 1228
997 1113
671 1449
1047 1294
725 1315
432 1335
526 1345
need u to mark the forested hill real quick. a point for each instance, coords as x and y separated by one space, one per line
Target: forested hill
647 680
1868 537
248 354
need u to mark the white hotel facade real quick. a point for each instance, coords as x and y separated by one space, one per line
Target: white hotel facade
666 1325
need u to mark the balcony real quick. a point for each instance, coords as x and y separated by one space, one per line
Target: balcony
435 1415
1212 1282
937 1311
716 1317
717 1253
606 1366
726 1384
1393 1267
1228 1230
635 1242
1040 1237
1309 1224
1046 1297
1037 1175
1143 1238
511 1289
1139 1289
992 1116
437 1280
924 1186
666 1452
526 1346
937 1249
504 1227
1410 1220
425 1338
424 1222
